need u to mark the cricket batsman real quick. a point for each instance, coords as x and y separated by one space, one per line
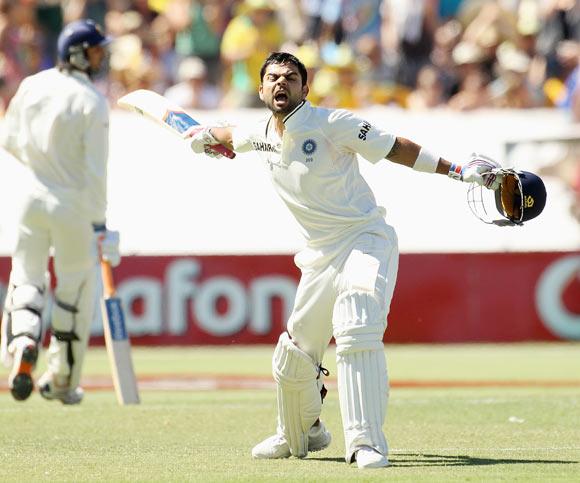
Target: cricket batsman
349 265
57 125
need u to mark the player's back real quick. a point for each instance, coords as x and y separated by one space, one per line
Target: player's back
47 123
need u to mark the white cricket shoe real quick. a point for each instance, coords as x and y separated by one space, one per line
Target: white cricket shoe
276 447
367 457
52 391
23 354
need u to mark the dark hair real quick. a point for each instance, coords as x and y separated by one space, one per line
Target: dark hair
284 58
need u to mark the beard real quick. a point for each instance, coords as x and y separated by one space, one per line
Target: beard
285 108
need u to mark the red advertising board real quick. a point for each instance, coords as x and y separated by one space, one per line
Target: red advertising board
475 297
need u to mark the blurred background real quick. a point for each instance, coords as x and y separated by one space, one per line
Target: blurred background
417 54
208 246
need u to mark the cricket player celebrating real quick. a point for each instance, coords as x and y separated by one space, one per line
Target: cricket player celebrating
349 265
57 125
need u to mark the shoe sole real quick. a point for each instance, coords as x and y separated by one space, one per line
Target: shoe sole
22 384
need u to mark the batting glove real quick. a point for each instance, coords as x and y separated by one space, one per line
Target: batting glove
480 170
201 140
108 245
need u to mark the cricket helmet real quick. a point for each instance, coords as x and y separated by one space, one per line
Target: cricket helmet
520 197
75 39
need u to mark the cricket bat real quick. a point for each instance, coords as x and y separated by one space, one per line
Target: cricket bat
117 340
161 110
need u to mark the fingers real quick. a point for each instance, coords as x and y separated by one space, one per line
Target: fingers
492 180
211 152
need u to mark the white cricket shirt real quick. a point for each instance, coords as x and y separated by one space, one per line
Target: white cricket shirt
314 168
57 124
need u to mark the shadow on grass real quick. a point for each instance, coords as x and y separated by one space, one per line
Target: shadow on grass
415 459
410 460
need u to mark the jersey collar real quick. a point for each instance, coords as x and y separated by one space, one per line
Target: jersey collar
297 117
82 76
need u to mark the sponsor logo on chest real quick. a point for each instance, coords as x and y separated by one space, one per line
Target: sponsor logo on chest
265 147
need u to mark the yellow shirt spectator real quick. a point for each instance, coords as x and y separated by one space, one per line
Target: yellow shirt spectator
247 40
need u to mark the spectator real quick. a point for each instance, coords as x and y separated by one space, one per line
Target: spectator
473 78
159 41
408 29
569 98
560 22
511 89
429 91
21 42
247 40
446 38
335 84
193 91
199 27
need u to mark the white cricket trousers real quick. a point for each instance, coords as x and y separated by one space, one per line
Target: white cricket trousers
346 293
46 222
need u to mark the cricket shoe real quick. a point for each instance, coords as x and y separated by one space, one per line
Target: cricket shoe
276 447
54 392
24 353
367 457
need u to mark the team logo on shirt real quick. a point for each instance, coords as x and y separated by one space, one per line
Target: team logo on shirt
308 147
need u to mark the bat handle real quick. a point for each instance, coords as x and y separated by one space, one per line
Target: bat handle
228 153
109 289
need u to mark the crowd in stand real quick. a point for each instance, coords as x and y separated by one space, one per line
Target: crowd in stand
417 54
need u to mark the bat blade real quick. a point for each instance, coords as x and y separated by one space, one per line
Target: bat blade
161 110
118 344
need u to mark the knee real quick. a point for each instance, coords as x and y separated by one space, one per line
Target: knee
359 322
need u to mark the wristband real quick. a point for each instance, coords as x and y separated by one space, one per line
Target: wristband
455 172
426 162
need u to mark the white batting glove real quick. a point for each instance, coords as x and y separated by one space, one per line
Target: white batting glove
480 169
108 246
201 139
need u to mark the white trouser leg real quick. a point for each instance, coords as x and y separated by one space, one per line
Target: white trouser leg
366 286
74 304
29 279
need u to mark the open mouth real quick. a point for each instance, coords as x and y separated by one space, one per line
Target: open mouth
281 97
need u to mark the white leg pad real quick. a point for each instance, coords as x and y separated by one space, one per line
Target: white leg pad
298 394
72 313
359 324
25 307
363 394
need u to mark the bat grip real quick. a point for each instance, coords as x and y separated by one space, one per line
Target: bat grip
109 289
228 153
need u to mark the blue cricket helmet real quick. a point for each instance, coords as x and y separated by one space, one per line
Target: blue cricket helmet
521 197
75 38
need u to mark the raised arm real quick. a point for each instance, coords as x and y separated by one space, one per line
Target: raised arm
407 153
479 169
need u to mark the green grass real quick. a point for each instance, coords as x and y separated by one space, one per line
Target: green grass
466 434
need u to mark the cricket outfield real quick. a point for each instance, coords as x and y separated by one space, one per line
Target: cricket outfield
456 412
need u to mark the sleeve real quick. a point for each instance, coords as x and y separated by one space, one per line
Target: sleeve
351 133
96 155
242 137
11 122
